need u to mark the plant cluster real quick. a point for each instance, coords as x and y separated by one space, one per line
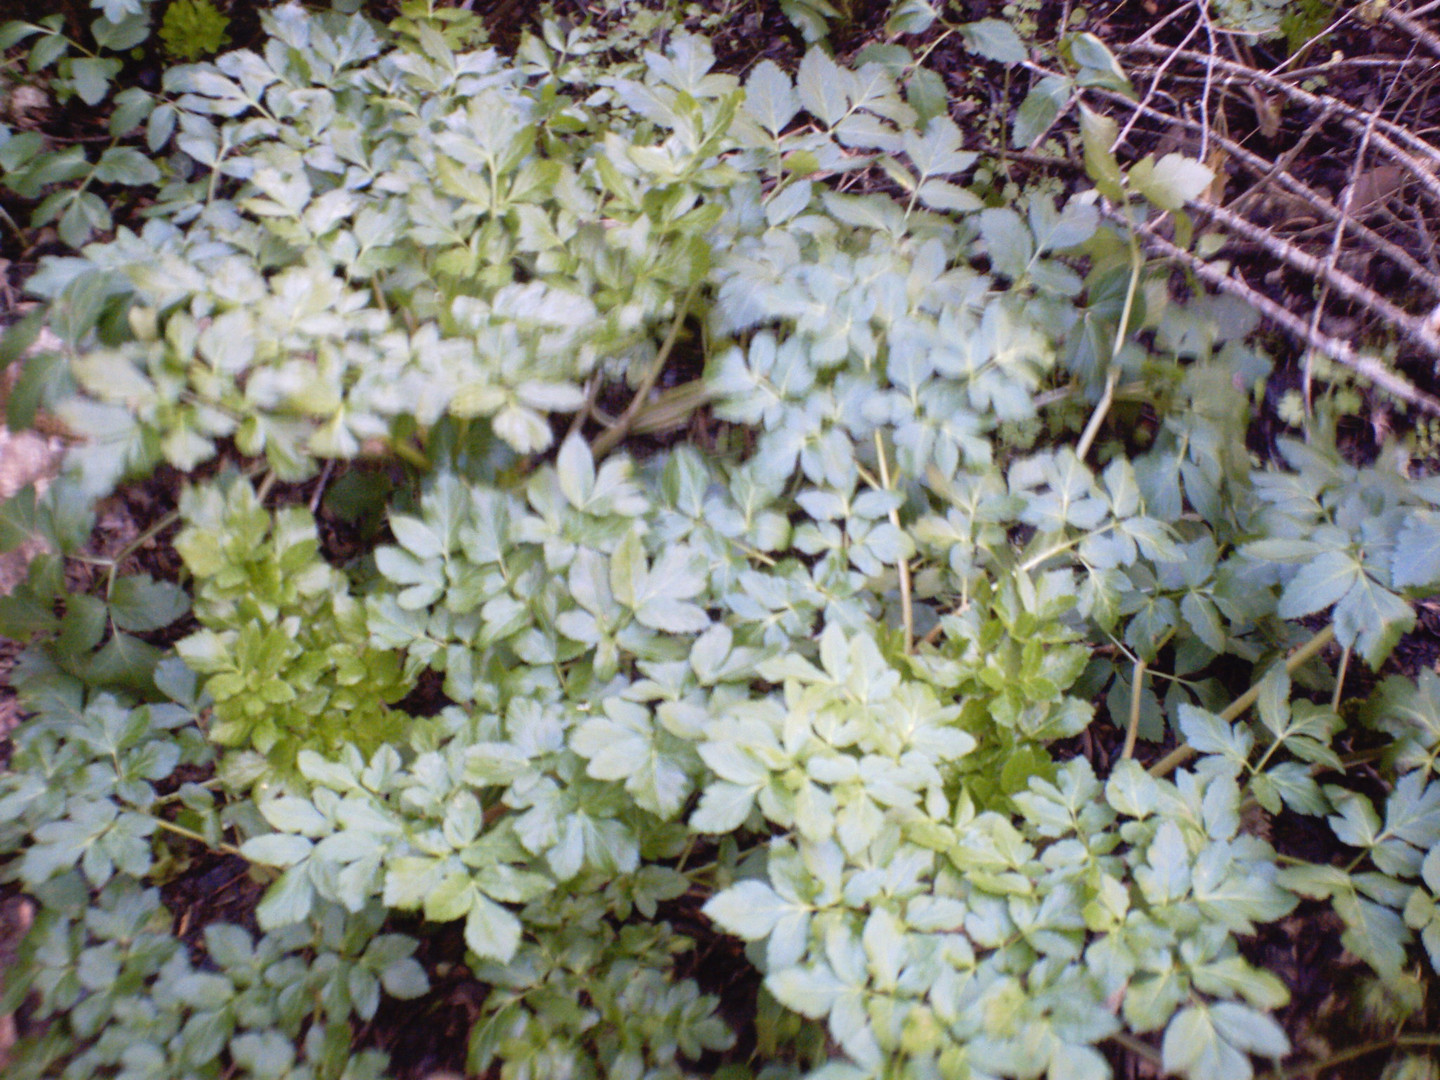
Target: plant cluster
820 668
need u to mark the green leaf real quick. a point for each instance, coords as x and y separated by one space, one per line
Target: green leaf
276 849
748 909
1416 561
287 901
491 932
126 165
1372 618
405 979
268 1055
1171 182
1098 134
1008 242
769 97
289 813
18 519
1201 1043
453 897
1318 584
91 77
995 39
575 471
811 990
821 84
140 603
910 17
1098 66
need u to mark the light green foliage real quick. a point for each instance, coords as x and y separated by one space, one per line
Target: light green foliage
283 643
80 821
127 1000
193 28
79 637
814 673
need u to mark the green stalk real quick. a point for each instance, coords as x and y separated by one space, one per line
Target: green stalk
1236 708
609 438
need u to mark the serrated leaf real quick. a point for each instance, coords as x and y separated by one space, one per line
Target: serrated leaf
748 909
910 17
769 97
995 39
276 849
821 85
1320 583
1040 109
811 990
1372 618
287 901
1098 134
1416 560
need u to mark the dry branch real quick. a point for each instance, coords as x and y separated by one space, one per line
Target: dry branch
1342 352
1268 170
1423 168
1412 328
1407 25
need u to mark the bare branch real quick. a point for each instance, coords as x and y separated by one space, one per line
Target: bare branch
1342 352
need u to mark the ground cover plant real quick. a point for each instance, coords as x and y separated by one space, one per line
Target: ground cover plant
710 560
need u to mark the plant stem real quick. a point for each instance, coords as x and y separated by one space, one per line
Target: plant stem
1060 549
907 611
135 545
1137 687
191 834
1138 1047
1340 680
1112 376
1097 417
1182 754
607 439
1313 1068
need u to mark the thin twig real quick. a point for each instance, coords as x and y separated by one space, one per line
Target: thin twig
1329 270
577 423
1426 37
1341 352
1266 170
1154 87
1350 115
1350 1053
325 475
1414 329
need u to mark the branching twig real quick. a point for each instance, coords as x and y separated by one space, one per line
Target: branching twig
1340 351
1405 23
1267 170
1329 270
1413 329
1351 116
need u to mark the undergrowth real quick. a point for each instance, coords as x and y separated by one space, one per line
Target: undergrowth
780 499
